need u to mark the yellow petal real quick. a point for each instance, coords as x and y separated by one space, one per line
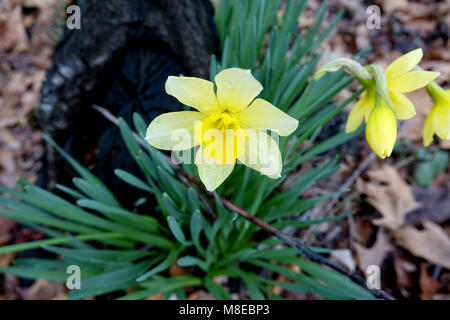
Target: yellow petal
441 121
428 130
193 92
262 154
359 111
236 88
211 173
381 130
411 81
404 108
173 130
265 116
404 63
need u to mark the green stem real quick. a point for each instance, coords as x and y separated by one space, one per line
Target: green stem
435 90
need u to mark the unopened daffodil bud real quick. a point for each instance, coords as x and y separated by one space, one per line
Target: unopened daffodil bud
381 129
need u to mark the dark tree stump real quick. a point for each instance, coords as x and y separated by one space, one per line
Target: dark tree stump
120 59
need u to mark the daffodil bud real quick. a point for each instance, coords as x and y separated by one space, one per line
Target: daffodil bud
350 66
438 120
381 129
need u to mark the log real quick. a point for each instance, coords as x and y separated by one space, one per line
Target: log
119 59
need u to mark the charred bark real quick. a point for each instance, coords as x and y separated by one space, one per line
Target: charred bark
120 59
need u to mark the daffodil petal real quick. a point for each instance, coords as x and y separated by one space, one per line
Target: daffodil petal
381 130
211 173
404 63
263 115
193 92
173 130
359 111
404 108
428 130
441 121
262 154
236 88
411 81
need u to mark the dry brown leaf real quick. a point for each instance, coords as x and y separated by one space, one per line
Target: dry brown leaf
12 31
6 259
428 285
46 290
6 230
431 243
374 255
200 295
389 6
176 270
403 272
393 200
156 296
344 256
444 144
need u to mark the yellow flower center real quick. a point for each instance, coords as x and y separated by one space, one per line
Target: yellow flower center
221 137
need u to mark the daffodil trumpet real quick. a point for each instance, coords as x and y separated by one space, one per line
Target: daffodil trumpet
438 120
229 125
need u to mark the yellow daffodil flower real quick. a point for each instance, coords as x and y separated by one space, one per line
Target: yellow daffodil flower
399 78
226 126
438 120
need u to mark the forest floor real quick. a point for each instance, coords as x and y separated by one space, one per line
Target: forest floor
401 204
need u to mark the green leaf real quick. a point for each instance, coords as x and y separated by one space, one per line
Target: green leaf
165 264
117 277
424 173
216 290
196 223
133 180
55 241
123 216
189 261
70 191
440 161
176 231
171 209
103 256
93 191
251 282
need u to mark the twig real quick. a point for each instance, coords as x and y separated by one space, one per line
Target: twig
347 184
186 178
